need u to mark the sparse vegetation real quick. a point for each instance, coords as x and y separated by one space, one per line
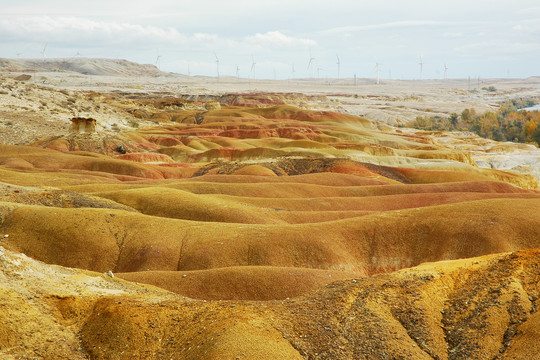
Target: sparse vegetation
490 89
133 123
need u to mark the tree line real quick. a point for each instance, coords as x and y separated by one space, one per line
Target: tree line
508 123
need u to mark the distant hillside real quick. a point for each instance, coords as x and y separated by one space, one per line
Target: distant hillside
86 66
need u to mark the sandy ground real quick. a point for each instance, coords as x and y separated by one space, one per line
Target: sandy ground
272 241
44 104
392 101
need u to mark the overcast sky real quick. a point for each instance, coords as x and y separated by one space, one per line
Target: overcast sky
491 38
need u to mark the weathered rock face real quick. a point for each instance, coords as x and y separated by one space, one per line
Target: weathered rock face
506 156
23 77
212 105
108 67
81 125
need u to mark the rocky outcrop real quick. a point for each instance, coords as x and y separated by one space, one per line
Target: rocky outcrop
82 125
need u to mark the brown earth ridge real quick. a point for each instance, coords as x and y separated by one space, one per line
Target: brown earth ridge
249 226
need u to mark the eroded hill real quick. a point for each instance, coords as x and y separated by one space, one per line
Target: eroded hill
478 308
273 222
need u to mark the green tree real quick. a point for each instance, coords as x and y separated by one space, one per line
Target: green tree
468 114
536 136
453 119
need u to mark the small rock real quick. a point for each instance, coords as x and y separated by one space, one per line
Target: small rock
6 236
184 275
110 273
121 149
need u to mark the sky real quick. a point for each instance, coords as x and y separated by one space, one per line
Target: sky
285 38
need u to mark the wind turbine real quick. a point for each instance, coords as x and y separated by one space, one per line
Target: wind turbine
237 72
217 64
378 70
252 70
445 70
158 58
292 71
43 51
319 72
338 67
310 63
421 63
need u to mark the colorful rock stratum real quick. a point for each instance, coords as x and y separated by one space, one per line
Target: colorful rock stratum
263 231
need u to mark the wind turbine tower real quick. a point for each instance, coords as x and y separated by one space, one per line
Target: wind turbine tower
445 71
252 70
158 58
378 70
338 67
311 63
421 63
43 51
217 64
237 72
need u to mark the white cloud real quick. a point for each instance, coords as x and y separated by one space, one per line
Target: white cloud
276 38
205 37
72 29
528 26
388 25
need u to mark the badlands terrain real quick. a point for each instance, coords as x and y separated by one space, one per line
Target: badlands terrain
182 217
